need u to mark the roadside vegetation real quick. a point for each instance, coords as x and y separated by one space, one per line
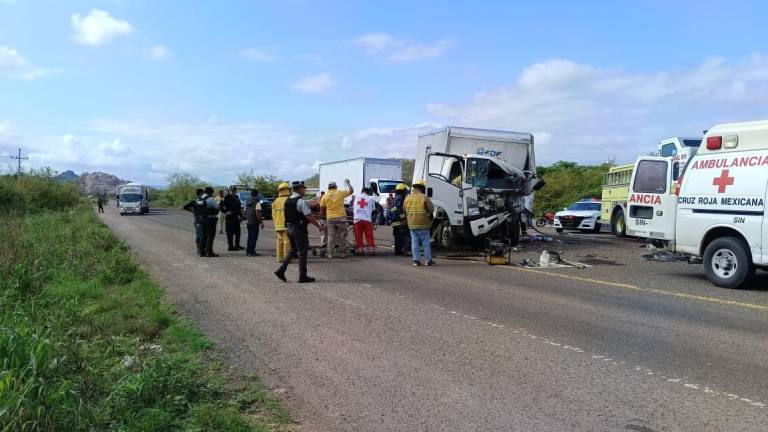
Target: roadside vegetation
86 339
568 182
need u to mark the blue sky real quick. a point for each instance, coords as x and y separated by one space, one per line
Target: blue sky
144 88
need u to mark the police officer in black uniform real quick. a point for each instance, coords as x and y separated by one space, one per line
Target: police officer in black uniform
297 217
197 217
233 214
209 210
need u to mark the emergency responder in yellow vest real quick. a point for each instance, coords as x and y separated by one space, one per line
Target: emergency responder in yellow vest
418 211
399 226
278 218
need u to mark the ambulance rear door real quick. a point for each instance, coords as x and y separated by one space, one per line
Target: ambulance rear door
652 204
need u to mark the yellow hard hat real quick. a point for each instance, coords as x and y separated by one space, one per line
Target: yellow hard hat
282 186
420 183
401 186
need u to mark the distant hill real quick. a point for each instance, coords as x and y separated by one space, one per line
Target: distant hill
67 176
97 183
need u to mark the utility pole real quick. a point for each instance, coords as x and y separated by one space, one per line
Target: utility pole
19 158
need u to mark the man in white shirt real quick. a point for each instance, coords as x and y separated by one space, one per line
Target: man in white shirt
363 207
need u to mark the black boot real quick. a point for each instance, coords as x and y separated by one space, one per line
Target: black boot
306 279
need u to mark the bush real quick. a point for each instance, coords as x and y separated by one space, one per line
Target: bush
568 182
32 194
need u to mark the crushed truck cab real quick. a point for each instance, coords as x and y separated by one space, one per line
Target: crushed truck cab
716 212
478 180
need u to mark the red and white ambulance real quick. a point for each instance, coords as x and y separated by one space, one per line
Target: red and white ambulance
716 212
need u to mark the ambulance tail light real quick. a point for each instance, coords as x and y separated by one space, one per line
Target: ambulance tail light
714 143
730 141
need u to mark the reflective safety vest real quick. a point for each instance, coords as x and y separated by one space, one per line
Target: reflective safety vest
418 209
397 210
278 212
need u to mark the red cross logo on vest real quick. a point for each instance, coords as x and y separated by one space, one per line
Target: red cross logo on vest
723 181
363 203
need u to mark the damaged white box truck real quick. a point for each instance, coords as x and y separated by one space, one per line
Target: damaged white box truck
478 180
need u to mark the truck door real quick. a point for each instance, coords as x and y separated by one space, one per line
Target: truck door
651 204
446 192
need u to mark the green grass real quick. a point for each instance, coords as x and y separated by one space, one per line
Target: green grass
87 342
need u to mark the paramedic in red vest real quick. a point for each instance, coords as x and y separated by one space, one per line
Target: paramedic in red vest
363 208
297 216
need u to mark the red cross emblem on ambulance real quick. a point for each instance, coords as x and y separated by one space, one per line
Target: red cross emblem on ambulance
723 181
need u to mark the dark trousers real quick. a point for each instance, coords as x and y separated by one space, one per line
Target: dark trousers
208 234
232 226
299 237
402 236
198 234
253 236
101 208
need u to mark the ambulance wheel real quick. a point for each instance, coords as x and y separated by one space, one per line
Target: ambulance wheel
559 230
727 263
619 224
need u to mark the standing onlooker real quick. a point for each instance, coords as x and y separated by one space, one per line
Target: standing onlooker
333 211
400 232
418 210
233 214
362 211
253 222
219 199
283 244
196 218
210 210
388 208
297 216
100 203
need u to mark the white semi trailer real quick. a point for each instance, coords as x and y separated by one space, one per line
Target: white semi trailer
381 175
478 180
132 198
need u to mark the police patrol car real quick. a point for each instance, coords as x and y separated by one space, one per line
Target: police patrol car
716 211
582 215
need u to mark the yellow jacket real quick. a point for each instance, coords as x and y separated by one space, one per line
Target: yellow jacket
418 210
278 210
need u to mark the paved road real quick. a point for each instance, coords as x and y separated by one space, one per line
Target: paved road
378 345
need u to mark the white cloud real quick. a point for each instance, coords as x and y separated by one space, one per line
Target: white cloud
13 64
148 151
390 49
587 113
260 54
314 84
98 27
159 53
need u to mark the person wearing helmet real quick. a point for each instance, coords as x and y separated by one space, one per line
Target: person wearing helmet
418 211
400 232
283 244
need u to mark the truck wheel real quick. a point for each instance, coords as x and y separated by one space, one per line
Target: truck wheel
559 230
619 224
514 236
444 234
727 262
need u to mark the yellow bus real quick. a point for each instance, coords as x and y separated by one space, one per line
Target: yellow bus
614 198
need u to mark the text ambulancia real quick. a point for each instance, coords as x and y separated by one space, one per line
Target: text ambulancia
717 210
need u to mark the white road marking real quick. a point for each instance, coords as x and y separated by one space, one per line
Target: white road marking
609 360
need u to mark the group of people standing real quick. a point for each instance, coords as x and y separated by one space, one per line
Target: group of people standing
410 215
211 211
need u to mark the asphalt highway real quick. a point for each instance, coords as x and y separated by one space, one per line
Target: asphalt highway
378 345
